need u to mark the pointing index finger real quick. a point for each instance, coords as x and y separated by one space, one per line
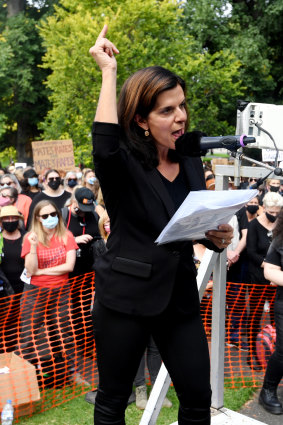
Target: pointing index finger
103 32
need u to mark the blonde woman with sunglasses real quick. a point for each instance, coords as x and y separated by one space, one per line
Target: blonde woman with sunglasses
49 250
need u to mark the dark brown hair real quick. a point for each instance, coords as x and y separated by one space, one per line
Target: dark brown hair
138 96
277 232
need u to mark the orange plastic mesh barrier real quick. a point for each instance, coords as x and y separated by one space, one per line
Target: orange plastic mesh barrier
248 343
47 347
48 352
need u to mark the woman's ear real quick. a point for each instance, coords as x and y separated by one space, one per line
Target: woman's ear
142 122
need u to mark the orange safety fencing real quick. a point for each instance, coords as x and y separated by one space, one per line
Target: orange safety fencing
47 346
48 352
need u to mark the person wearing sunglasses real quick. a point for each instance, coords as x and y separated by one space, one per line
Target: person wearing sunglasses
70 181
49 250
22 202
53 191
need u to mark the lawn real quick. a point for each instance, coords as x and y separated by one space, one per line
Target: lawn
78 412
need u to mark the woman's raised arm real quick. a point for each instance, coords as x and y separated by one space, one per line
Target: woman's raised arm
103 53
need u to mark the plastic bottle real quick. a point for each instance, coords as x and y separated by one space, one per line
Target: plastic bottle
7 414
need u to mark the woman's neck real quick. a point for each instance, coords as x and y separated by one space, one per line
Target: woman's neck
49 233
265 222
11 236
54 193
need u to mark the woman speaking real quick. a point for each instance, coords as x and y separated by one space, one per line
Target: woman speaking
145 289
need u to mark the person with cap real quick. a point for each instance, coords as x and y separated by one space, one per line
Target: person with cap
11 268
30 183
82 220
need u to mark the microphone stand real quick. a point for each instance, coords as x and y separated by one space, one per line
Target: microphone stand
276 170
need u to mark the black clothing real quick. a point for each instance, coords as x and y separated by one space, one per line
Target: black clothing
139 207
82 226
274 370
178 189
182 344
145 289
258 242
12 264
59 201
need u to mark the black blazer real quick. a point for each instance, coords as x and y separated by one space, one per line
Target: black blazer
136 276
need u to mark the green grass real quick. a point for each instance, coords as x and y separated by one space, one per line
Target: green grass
78 412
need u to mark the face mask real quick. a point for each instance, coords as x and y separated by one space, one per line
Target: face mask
50 222
33 181
274 188
107 228
72 183
271 218
10 226
91 180
54 184
252 209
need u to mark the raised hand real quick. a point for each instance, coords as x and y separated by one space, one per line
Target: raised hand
103 51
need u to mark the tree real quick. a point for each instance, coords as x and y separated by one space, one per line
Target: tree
253 31
23 96
147 33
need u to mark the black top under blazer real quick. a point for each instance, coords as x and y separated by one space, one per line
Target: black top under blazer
137 276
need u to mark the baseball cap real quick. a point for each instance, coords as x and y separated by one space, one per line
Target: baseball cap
85 199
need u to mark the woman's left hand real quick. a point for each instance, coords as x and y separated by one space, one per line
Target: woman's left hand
221 237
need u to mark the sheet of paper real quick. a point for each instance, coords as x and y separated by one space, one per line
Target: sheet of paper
202 211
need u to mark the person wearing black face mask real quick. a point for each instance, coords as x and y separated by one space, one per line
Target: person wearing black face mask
12 265
273 185
70 181
258 241
53 191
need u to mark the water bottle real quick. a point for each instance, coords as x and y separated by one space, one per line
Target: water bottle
7 414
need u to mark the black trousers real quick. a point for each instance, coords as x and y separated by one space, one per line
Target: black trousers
120 343
274 370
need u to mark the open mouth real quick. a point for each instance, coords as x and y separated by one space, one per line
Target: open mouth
178 133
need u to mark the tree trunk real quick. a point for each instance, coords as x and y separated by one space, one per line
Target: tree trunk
15 6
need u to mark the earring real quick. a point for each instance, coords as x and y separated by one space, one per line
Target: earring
146 133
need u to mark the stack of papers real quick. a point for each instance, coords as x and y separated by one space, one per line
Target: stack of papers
202 211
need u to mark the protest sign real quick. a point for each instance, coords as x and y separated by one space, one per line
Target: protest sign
57 154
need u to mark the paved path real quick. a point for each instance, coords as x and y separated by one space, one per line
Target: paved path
254 410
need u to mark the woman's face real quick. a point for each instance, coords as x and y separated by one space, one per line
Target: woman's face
6 181
253 201
166 122
46 212
6 194
272 210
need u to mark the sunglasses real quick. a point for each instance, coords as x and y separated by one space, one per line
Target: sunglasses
6 184
52 179
72 179
45 216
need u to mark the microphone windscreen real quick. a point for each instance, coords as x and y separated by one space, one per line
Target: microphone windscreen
189 144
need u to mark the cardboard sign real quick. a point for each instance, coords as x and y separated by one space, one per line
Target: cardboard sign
57 154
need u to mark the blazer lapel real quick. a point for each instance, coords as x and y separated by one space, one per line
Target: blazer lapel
161 191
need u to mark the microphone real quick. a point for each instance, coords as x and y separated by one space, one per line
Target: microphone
231 143
196 143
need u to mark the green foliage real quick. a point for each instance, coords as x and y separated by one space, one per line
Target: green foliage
252 31
7 155
147 33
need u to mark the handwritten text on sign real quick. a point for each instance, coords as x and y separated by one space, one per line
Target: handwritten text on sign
57 154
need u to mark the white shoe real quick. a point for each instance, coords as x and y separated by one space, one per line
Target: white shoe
166 403
77 378
141 397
